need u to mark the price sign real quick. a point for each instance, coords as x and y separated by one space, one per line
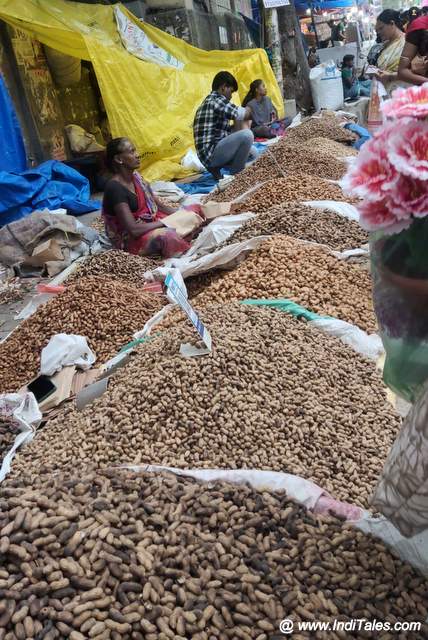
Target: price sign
179 297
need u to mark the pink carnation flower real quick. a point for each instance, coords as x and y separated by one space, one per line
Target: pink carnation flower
409 197
411 102
407 149
372 174
378 215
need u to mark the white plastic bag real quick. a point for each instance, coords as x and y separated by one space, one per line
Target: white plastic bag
63 350
24 413
326 85
191 161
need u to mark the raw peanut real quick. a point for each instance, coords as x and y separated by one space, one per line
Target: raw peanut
305 223
119 305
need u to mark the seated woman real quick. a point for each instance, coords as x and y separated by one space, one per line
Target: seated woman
352 87
265 123
413 66
132 213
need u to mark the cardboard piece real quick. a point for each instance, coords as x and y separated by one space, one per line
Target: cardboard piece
46 251
183 221
63 381
213 210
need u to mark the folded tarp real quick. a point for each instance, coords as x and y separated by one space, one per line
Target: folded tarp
52 185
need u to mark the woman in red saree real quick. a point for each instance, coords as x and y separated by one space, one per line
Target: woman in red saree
132 213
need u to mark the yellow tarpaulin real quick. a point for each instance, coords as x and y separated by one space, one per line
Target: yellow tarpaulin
153 105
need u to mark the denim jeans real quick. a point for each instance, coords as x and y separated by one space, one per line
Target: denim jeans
233 151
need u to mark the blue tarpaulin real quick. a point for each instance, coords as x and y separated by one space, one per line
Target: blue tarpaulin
13 157
52 185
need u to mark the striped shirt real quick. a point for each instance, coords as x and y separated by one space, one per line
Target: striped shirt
212 123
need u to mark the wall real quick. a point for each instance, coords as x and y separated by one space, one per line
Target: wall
40 94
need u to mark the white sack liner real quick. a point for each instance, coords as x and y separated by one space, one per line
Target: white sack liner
219 230
412 550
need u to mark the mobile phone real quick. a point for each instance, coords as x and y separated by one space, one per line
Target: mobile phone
42 387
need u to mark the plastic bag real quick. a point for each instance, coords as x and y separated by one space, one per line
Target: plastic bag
24 413
191 161
63 350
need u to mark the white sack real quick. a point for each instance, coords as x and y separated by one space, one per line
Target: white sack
222 259
63 350
326 85
168 190
24 413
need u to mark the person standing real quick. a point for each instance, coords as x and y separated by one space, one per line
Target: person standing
390 31
216 145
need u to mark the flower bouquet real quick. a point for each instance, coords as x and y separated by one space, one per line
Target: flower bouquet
390 175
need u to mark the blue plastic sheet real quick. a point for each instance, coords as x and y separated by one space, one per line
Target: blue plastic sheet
13 157
52 185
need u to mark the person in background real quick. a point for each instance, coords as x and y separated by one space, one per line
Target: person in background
352 87
337 33
216 145
313 58
412 14
413 67
264 116
390 30
132 214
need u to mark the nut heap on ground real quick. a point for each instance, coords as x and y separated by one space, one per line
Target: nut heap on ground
106 311
327 126
274 394
158 557
298 186
117 265
284 267
307 223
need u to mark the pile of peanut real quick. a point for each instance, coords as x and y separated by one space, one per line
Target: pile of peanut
326 145
8 433
274 394
297 186
118 555
314 161
327 126
106 311
304 222
283 267
117 265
